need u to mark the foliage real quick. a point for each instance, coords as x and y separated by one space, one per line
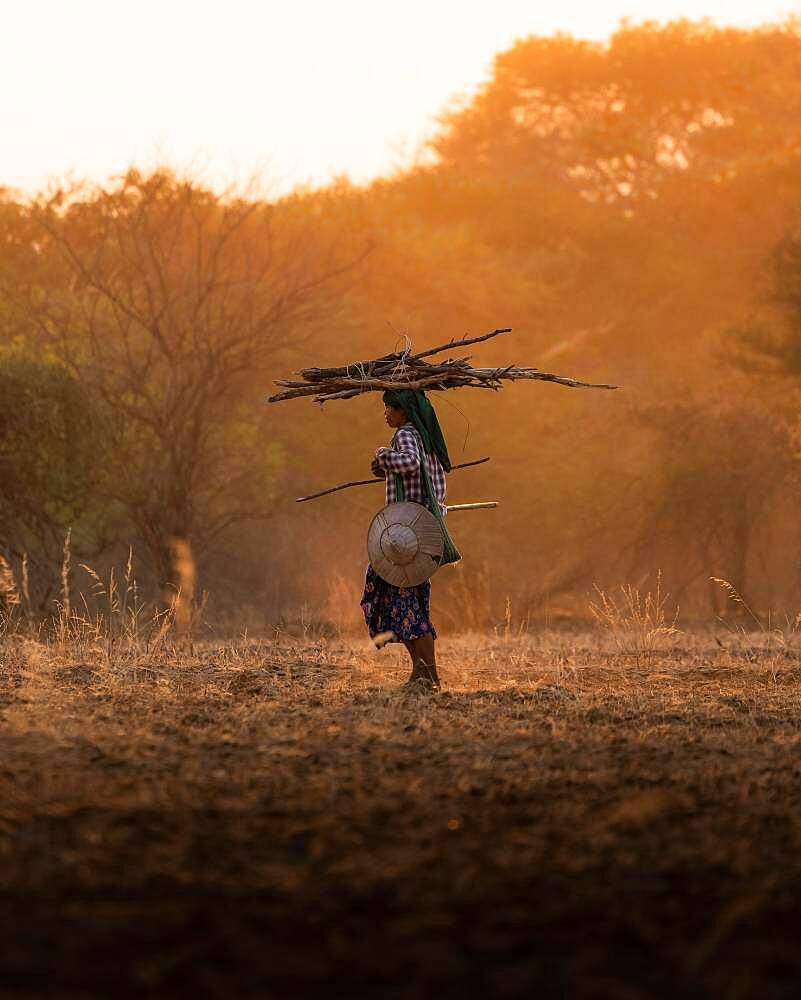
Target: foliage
51 438
164 300
776 338
622 207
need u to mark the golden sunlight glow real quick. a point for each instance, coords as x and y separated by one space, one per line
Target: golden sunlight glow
298 92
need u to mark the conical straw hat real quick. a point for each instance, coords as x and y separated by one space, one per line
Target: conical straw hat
404 543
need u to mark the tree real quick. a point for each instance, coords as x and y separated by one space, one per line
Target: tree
168 301
721 466
620 121
49 439
774 338
639 171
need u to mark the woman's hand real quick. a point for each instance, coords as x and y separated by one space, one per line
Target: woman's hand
378 472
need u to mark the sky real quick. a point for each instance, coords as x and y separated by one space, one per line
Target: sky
292 92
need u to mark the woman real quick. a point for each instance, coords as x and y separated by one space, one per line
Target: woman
401 614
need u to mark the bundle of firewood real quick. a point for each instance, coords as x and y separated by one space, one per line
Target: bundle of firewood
403 370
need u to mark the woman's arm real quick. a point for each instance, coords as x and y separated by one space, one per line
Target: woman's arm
404 457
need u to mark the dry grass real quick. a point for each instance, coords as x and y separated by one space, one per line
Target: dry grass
568 814
637 623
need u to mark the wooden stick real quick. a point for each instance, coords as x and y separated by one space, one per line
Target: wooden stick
370 482
409 371
322 374
484 505
469 378
459 343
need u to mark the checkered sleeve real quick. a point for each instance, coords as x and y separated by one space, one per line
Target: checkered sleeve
438 482
403 457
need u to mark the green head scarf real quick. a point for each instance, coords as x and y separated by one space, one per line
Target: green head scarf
422 414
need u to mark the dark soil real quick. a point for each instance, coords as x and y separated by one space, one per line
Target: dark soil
287 826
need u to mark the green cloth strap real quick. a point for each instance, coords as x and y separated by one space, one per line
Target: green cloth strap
450 554
424 417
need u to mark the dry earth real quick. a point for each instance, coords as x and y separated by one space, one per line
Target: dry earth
274 818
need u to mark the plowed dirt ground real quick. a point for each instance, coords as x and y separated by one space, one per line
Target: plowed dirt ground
275 818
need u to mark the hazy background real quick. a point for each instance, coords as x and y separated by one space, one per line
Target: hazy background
299 92
627 202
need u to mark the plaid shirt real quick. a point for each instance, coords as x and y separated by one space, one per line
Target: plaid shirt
404 458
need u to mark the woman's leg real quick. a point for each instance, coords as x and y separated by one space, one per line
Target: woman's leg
423 649
414 605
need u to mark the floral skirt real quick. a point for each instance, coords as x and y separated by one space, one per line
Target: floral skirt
404 611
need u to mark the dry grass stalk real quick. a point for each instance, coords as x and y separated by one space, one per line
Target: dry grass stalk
637 624
9 592
65 575
25 588
9 597
112 623
736 598
783 634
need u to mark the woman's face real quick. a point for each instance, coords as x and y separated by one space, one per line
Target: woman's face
394 415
